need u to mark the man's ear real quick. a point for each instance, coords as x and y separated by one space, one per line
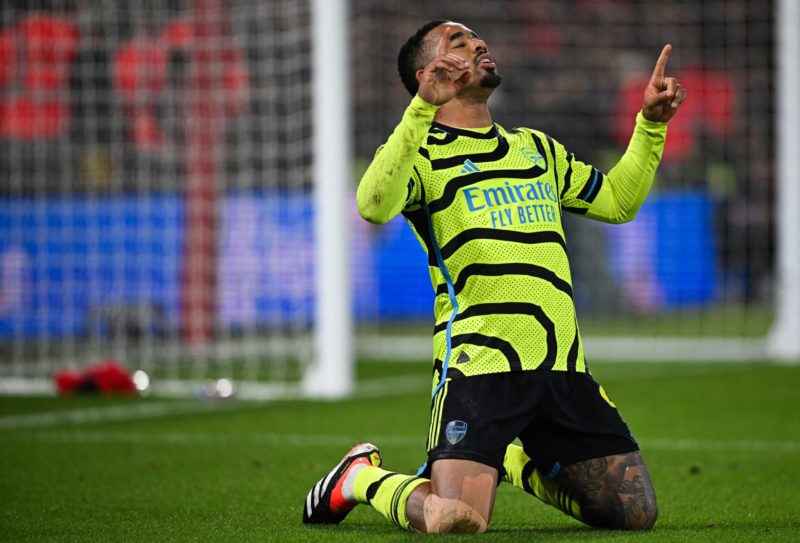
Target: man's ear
419 75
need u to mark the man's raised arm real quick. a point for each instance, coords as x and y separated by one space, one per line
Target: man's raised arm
630 179
383 190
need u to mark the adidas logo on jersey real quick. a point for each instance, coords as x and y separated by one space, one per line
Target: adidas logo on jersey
469 167
463 358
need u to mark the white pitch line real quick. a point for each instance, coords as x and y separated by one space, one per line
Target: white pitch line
344 440
737 445
375 388
641 349
414 384
137 410
201 438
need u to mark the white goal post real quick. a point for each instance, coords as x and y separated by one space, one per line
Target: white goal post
331 373
784 338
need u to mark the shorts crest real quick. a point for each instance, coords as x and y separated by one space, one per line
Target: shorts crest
455 431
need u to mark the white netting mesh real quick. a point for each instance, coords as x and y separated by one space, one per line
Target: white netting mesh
155 183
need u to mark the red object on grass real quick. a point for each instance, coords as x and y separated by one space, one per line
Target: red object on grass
107 377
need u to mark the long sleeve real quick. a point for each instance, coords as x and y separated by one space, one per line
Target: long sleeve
388 184
629 181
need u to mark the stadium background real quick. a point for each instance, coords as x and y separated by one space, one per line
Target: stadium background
94 161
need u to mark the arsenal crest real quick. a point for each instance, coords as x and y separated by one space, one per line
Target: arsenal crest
455 431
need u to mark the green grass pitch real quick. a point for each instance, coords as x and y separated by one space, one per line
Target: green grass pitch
722 442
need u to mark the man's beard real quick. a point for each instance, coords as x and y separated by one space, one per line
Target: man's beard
491 80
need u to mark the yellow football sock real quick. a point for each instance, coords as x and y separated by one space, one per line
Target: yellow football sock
387 492
521 473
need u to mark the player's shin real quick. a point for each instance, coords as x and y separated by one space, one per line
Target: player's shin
387 492
521 473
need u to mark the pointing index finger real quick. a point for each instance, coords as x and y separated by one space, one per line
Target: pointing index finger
661 63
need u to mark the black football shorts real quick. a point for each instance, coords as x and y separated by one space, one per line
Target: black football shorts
560 418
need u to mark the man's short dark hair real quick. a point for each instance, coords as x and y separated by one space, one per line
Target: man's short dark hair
409 60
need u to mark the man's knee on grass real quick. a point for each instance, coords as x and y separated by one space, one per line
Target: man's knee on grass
449 516
614 492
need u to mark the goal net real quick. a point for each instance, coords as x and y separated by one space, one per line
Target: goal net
157 191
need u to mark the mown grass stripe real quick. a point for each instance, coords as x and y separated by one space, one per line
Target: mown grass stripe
336 440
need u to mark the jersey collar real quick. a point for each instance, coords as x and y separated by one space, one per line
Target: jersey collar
487 133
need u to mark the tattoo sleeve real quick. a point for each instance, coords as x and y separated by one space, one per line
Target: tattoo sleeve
613 491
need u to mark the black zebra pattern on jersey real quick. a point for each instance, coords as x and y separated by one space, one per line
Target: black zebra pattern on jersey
498 153
418 220
497 270
497 234
457 183
513 308
567 175
445 139
576 210
553 155
592 188
572 356
514 362
437 128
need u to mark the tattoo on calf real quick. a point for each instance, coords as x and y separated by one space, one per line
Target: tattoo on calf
586 478
632 493
613 492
